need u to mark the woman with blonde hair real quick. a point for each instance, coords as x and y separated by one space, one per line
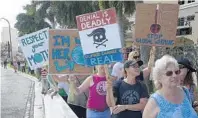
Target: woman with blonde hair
170 100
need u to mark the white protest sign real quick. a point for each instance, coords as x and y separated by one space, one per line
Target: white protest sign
35 48
100 37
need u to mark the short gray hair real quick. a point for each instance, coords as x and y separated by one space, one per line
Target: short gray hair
161 65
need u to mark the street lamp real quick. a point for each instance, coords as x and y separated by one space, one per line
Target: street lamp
10 37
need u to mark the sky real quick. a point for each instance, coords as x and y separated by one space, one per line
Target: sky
9 9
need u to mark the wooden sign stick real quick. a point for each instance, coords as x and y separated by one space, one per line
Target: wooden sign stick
153 49
109 80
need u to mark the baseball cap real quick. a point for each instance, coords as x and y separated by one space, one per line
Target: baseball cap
186 63
128 63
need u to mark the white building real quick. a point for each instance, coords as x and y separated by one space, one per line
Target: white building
188 20
5 38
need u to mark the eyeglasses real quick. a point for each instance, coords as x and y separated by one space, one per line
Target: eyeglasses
135 57
181 66
170 73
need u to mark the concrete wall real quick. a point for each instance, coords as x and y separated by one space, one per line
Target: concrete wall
57 108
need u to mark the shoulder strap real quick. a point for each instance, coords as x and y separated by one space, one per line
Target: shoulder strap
187 93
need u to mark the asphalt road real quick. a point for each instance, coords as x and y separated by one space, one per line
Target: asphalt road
17 95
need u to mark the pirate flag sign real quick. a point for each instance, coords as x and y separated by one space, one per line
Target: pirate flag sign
100 37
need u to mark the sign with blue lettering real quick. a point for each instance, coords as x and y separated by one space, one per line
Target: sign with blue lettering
100 37
156 24
35 48
65 53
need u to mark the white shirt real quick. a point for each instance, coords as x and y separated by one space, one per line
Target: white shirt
117 70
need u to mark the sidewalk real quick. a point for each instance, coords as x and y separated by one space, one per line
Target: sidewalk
44 106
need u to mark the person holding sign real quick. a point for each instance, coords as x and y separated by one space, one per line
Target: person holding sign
44 75
131 94
96 104
170 100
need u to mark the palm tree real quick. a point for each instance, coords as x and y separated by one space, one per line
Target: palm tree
68 10
28 22
123 8
46 10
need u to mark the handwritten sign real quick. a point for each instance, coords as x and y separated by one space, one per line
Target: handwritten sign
100 38
65 53
156 26
35 48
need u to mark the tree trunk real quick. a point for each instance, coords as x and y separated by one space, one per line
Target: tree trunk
121 28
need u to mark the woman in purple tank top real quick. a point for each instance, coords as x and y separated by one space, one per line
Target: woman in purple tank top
96 104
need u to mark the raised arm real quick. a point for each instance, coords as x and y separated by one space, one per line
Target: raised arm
83 87
109 97
147 70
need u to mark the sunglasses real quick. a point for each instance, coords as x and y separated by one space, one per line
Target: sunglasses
181 66
135 57
134 66
170 73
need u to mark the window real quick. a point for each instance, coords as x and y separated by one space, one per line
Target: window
181 2
180 21
184 31
190 18
189 1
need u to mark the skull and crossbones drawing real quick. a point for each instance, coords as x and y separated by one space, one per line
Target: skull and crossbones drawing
99 37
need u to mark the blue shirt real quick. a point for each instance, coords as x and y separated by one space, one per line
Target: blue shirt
170 110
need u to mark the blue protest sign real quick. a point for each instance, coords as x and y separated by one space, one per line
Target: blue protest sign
65 53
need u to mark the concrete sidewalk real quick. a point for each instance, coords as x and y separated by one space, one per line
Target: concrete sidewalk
45 107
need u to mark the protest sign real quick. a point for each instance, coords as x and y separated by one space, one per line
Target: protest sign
65 53
35 48
100 37
156 24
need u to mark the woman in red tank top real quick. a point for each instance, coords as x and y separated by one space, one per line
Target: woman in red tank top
96 104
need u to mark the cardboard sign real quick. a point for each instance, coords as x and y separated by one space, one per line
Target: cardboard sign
100 38
65 53
156 26
35 48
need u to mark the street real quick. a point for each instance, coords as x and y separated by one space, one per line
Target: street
17 95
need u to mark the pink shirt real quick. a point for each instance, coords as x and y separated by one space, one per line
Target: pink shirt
97 94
